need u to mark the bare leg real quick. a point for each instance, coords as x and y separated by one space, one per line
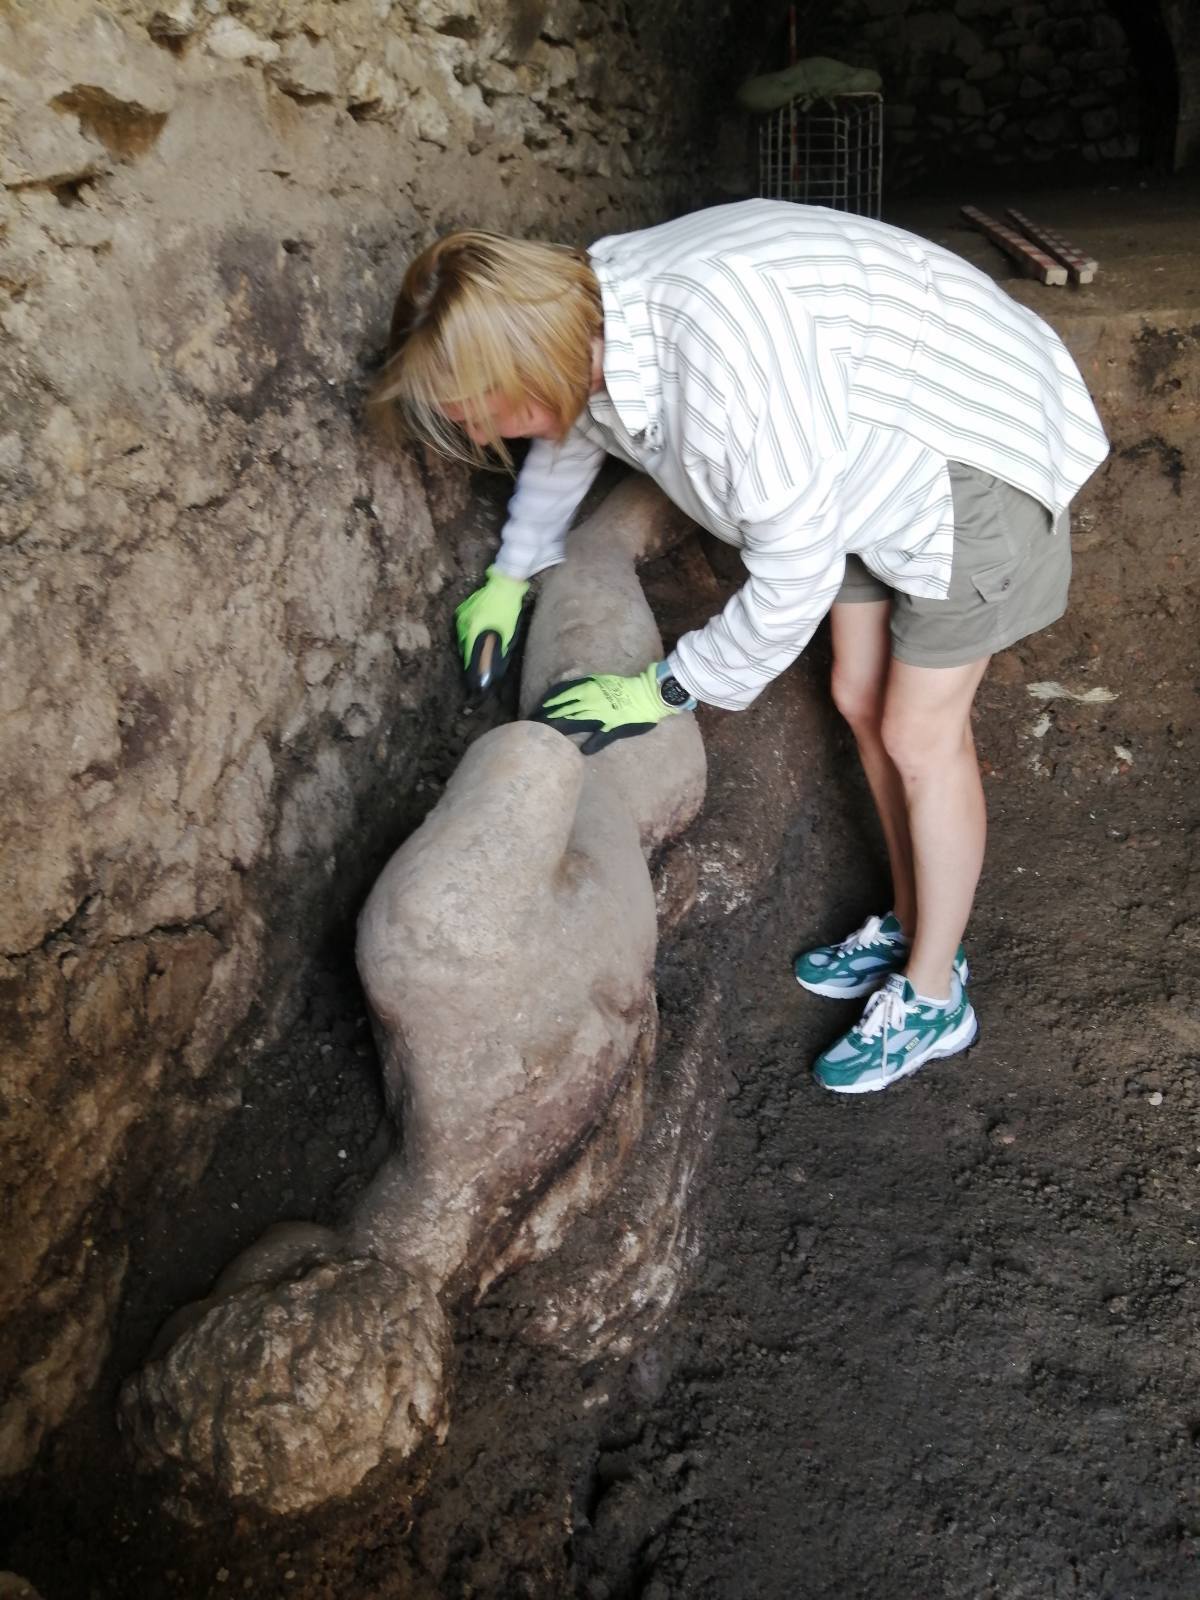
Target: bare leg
926 731
862 659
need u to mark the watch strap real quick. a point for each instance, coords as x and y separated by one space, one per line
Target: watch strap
664 675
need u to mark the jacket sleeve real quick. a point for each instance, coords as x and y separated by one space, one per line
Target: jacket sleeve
550 486
795 563
787 444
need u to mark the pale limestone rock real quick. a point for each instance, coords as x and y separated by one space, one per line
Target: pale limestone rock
501 79
306 68
372 91
454 17
77 227
230 40
89 50
41 146
408 635
511 117
403 57
427 119
176 19
244 803
76 90
554 65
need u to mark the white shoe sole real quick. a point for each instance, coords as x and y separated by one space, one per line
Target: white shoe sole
838 991
965 1034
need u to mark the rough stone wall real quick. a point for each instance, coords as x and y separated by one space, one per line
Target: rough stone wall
989 84
1182 20
222 604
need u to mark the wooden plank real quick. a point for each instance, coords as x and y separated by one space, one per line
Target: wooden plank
1081 267
1034 263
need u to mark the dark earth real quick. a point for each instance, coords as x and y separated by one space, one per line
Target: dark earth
941 1343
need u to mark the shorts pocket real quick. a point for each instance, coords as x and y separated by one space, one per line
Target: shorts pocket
995 582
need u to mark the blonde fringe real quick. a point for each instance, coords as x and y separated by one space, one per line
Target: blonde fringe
482 315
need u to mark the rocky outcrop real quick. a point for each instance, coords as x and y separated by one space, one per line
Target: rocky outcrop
222 608
507 954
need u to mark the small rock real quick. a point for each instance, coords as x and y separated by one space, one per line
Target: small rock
174 20
1035 58
989 65
1100 123
1156 1099
372 92
232 41
307 69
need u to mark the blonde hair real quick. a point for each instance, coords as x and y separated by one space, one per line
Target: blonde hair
480 314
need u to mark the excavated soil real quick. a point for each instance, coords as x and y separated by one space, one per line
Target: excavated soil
938 1344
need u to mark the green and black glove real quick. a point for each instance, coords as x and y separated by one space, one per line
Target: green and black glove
487 623
609 707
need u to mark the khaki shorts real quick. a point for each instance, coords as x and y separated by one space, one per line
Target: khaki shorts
1010 575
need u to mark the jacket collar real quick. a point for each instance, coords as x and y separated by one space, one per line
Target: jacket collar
632 384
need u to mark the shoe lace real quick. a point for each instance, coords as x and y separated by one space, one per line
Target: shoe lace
885 1014
862 938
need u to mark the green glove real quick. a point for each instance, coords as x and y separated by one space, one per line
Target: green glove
607 707
486 624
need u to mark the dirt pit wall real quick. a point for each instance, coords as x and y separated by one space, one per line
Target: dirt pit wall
224 613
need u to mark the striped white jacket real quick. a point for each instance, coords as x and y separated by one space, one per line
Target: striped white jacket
796 379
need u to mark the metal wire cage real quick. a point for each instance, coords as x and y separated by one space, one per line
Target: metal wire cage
825 153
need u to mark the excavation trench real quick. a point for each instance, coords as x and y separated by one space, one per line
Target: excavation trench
941 1343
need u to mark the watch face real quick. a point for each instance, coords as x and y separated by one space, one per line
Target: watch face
673 691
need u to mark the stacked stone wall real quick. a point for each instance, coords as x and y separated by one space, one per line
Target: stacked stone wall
224 607
1182 20
987 85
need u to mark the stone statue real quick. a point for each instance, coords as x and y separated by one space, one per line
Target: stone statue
507 954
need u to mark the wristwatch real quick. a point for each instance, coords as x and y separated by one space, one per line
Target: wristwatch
672 691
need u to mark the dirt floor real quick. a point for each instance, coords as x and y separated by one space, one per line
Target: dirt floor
941 1343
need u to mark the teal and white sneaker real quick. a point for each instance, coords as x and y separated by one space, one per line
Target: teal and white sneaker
861 962
897 1034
